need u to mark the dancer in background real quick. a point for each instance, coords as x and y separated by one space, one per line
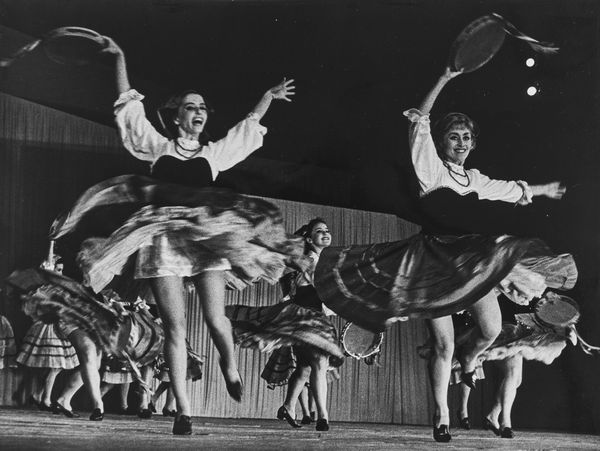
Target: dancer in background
521 339
8 347
44 349
170 227
301 324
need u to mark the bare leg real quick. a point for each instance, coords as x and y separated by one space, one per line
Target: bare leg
486 313
124 393
89 358
513 374
170 401
303 398
211 289
159 391
46 398
312 405
105 387
147 373
440 365
168 292
464 392
296 383
318 384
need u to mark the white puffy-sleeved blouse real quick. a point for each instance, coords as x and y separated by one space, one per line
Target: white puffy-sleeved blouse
144 142
433 173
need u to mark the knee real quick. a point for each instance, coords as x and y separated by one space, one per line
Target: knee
443 349
490 331
175 332
217 322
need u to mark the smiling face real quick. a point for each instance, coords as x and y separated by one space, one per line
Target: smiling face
457 144
191 116
319 237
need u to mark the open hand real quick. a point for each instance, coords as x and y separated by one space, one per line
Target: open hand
283 90
555 190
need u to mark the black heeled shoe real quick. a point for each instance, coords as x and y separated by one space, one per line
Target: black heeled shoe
489 426
322 424
59 408
468 379
145 414
306 420
464 423
441 433
283 414
151 407
97 415
507 432
169 413
182 425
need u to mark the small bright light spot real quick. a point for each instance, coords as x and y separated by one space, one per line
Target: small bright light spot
531 91
530 62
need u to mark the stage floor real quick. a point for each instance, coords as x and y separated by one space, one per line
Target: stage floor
30 430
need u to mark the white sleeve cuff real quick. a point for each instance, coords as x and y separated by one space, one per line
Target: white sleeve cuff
128 96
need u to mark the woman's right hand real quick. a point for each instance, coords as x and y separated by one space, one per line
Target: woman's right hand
449 74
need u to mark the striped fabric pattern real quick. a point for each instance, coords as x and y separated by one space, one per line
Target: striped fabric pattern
43 347
429 276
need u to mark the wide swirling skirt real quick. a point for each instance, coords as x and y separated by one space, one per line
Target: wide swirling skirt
429 276
139 228
54 298
292 332
8 347
45 347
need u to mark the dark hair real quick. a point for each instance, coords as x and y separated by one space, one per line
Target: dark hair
306 230
441 127
168 112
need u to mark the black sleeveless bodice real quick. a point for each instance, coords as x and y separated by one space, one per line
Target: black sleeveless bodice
195 172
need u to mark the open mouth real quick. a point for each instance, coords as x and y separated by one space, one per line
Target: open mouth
198 122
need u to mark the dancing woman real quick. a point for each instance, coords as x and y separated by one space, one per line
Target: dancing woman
306 339
169 227
447 268
439 160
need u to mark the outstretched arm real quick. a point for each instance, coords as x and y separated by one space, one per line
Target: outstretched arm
282 91
432 95
121 76
553 190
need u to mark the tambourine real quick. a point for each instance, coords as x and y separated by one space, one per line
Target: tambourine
479 41
561 313
555 310
360 343
75 46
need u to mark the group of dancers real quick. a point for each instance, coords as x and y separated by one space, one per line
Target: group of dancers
160 232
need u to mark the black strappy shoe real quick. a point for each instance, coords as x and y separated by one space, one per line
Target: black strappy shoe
182 425
463 422
441 433
322 424
283 414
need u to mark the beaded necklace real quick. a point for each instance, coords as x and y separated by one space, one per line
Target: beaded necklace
454 173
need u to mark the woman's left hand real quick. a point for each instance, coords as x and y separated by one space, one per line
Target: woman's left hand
555 190
283 90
